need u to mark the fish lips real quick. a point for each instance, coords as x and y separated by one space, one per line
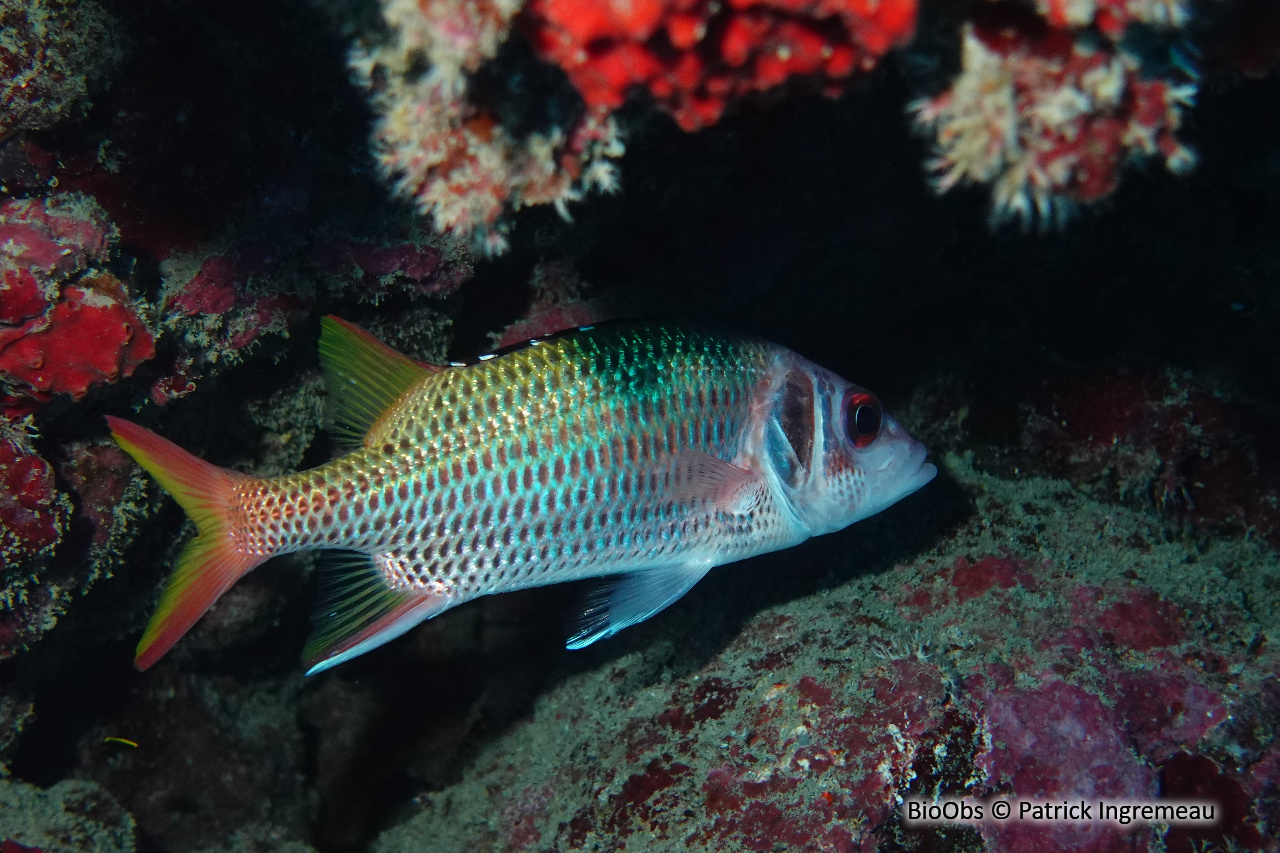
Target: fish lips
897 475
924 471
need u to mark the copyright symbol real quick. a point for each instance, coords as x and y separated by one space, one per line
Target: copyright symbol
1000 809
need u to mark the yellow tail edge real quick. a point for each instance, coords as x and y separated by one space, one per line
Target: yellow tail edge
211 562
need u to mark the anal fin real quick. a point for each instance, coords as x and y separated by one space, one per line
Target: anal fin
356 611
617 603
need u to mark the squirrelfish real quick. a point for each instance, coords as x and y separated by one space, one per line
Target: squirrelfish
636 453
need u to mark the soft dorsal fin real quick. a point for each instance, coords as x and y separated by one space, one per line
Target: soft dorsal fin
366 377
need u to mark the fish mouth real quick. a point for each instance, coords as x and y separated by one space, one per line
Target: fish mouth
917 472
904 469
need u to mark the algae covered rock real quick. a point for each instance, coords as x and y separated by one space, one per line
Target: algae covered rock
73 816
1046 648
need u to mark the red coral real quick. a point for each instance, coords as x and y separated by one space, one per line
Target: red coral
92 335
32 513
696 57
57 337
1113 17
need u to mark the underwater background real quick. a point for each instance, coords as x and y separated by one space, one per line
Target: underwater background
1045 232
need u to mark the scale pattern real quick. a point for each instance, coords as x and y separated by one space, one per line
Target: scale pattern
549 463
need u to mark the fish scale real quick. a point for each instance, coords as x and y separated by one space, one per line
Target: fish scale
492 476
644 452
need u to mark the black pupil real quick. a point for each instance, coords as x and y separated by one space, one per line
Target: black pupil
866 420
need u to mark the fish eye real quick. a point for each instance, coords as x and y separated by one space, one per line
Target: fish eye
862 418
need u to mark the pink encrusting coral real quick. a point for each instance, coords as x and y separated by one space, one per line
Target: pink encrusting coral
1154 436
559 302
697 57
377 268
215 314
1047 116
219 302
33 514
1059 742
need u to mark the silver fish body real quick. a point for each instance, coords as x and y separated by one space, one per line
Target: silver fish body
643 453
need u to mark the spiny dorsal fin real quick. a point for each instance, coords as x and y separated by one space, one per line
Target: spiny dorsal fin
366 377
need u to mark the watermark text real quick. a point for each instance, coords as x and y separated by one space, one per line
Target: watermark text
1120 812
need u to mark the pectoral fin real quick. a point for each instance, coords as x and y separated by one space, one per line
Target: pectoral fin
617 603
703 478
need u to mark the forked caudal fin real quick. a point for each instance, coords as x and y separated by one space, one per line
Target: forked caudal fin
210 563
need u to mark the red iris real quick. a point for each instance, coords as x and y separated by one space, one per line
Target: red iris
863 417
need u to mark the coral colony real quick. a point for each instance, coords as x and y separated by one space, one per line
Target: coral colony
1084 608
1049 104
1046 110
